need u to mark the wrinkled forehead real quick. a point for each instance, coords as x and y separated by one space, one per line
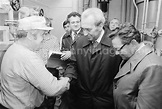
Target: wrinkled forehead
114 21
74 18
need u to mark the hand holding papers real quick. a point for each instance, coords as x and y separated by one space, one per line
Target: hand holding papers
66 55
55 61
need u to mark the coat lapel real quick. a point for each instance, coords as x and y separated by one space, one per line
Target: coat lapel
124 70
132 63
79 34
97 49
139 56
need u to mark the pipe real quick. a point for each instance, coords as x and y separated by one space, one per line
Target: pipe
136 13
143 17
158 13
146 12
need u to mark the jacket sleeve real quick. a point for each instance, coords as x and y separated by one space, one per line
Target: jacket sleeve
35 72
62 45
150 88
71 67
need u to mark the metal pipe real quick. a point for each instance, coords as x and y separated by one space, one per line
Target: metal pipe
136 13
146 11
143 17
158 13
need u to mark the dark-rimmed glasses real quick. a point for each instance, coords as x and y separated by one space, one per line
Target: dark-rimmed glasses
120 48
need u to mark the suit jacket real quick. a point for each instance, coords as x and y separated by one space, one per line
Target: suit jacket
96 69
67 41
138 84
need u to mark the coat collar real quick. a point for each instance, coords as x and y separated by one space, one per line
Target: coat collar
66 35
132 63
105 39
79 34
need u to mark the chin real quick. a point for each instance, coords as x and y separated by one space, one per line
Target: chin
124 57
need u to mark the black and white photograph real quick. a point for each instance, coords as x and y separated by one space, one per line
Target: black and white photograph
80 54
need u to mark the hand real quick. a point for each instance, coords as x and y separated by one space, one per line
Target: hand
158 52
61 71
68 84
66 55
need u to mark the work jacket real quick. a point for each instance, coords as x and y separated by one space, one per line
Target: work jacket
138 84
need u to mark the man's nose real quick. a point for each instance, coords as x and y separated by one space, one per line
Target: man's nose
117 52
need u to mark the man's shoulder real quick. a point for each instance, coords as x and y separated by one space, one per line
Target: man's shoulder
66 35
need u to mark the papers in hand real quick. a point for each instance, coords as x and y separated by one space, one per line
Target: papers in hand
55 52
55 61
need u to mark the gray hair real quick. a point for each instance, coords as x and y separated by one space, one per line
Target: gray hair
96 13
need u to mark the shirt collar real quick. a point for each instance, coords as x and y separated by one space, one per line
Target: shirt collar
73 34
76 32
100 37
142 45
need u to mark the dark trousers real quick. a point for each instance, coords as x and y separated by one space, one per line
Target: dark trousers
69 98
2 107
48 103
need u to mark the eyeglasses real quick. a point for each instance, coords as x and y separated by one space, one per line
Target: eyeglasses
120 48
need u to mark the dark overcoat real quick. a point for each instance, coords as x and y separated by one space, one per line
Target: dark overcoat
96 69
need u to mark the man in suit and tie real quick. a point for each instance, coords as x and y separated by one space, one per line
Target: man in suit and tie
66 43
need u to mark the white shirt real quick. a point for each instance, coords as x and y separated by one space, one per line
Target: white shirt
100 37
73 34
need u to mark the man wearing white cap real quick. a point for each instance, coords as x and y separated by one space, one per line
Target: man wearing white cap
24 78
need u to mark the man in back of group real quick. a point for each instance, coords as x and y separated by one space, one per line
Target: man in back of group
114 24
96 64
66 27
24 77
68 40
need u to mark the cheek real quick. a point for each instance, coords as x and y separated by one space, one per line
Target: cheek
123 51
97 32
40 39
94 32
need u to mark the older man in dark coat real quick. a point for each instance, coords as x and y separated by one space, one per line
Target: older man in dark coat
96 65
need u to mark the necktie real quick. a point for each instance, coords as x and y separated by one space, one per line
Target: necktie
95 43
75 36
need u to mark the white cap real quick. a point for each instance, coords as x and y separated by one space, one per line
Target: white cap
33 22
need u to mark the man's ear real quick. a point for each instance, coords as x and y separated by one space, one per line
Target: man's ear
134 42
101 25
